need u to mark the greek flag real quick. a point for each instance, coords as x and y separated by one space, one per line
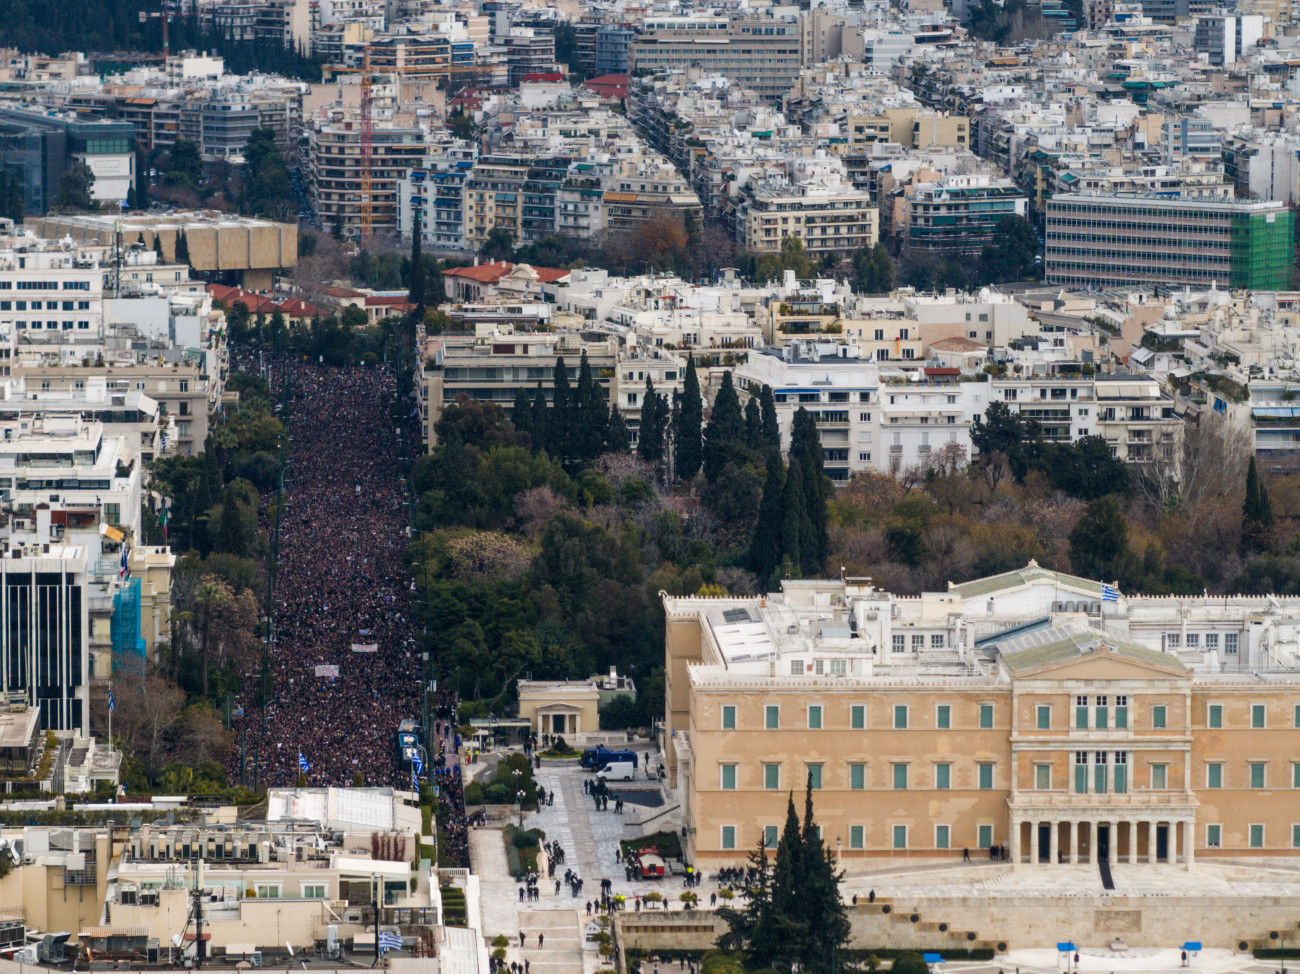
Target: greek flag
1109 593
112 704
389 941
303 766
417 764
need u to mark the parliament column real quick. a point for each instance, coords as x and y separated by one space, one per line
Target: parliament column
1074 842
1132 841
1112 853
1189 844
1054 846
1015 842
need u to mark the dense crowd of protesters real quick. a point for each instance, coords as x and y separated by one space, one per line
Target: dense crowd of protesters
342 598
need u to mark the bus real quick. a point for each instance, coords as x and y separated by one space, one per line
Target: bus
408 741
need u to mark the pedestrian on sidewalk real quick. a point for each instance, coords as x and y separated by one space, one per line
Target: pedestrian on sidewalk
521 938
541 939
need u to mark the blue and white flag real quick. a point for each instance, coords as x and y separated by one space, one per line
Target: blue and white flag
389 941
417 764
303 766
1109 593
112 704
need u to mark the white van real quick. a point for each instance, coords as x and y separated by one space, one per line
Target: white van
617 771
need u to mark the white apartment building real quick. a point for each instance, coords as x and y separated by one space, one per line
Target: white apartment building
828 214
1134 414
66 459
49 287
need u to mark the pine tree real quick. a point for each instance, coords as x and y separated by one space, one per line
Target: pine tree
688 447
771 428
415 293
765 546
650 438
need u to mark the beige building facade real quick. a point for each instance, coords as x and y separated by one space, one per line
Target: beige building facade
1047 717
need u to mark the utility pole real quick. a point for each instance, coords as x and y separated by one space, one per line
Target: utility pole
375 896
196 896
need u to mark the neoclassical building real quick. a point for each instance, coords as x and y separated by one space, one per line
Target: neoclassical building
1049 716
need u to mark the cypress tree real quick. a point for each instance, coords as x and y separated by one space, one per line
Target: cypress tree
794 517
753 424
822 911
1256 513
616 436
806 452
521 413
650 439
765 546
727 418
561 418
771 428
158 248
688 447
726 429
589 415
182 248
415 293
541 421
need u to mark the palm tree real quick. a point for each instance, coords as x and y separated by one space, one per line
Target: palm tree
210 594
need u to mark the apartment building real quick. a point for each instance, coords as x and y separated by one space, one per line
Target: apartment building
1126 241
493 368
763 54
529 51
334 167
494 197
912 127
1134 414
829 215
645 188
957 215
1226 37
1107 726
188 387
422 57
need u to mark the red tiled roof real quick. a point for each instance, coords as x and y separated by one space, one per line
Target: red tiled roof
544 76
608 86
493 272
932 371
255 303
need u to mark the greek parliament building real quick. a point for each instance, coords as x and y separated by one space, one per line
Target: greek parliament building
1047 715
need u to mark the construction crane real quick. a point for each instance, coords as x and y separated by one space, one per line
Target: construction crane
161 15
367 149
